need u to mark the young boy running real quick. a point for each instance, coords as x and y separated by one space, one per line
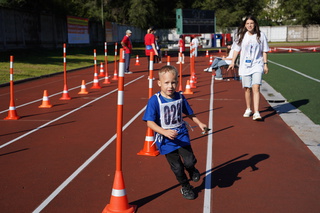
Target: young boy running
164 115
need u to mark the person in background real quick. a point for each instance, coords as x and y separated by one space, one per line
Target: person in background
149 41
158 59
195 43
127 46
182 48
254 47
218 62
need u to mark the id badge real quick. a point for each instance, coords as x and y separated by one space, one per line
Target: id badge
248 61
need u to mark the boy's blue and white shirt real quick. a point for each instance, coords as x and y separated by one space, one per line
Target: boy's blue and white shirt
167 113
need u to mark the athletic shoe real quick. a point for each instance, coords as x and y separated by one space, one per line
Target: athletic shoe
128 72
256 116
247 113
196 175
218 79
187 192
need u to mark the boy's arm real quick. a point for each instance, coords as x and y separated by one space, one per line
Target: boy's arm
171 134
198 122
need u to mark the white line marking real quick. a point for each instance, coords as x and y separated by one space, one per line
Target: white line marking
82 167
293 70
207 190
62 116
40 99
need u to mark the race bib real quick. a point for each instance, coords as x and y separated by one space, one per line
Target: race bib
171 114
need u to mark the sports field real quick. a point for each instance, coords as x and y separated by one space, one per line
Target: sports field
296 76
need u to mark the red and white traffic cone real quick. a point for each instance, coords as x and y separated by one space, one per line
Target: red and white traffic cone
149 148
168 60
207 54
188 89
101 74
65 93
137 61
83 90
210 60
45 100
12 113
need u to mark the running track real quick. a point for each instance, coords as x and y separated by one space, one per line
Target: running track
63 159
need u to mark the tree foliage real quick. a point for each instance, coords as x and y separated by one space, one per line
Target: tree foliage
161 13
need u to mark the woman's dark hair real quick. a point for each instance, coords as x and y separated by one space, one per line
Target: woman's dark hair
242 29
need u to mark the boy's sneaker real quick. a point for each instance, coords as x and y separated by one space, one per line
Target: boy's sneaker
195 175
247 113
187 192
256 116
218 79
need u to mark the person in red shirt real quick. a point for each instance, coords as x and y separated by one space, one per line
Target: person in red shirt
182 48
149 41
127 46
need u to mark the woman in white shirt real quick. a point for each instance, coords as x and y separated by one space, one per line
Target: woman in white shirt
253 47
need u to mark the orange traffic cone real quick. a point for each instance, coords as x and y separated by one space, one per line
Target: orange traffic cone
290 50
115 75
207 54
45 100
137 61
168 60
96 84
101 74
188 89
210 60
219 50
149 149
275 49
83 90
65 93
106 80
192 84
119 201
314 49
194 78
12 113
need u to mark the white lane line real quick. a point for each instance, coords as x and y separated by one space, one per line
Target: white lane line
83 166
207 190
64 115
293 70
40 99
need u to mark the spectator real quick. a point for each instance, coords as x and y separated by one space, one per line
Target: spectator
127 46
149 41
254 47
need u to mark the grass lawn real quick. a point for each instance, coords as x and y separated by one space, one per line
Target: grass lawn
300 91
37 62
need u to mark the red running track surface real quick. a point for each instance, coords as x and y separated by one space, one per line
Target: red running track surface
256 166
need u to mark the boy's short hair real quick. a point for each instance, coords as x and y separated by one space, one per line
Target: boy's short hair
168 68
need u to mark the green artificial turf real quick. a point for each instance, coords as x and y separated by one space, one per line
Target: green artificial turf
302 92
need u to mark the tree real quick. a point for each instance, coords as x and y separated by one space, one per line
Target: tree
229 13
305 12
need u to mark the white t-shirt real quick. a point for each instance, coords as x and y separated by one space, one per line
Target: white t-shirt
195 42
229 56
251 55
